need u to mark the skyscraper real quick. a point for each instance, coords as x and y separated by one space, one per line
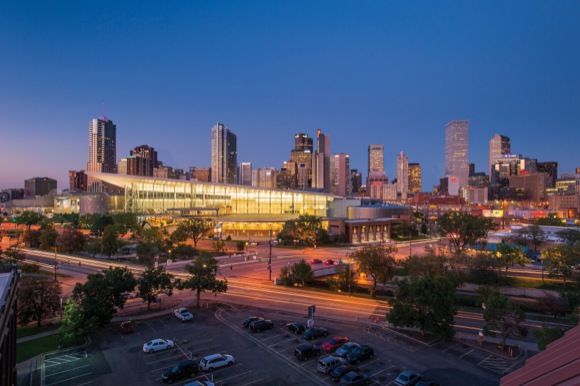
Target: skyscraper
456 151
246 174
141 162
302 156
415 178
402 175
376 159
321 162
498 146
102 150
340 174
224 155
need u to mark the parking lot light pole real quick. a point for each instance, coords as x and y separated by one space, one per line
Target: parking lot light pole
270 258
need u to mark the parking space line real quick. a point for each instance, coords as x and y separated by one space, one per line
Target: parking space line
69 379
271 337
470 351
479 364
257 380
67 370
234 376
383 370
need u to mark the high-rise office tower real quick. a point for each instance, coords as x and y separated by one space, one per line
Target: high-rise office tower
102 150
456 151
403 175
264 178
77 180
321 162
302 156
39 186
551 169
141 162
246 174
415 178
498 146
340 174
224 155
355 181
376 159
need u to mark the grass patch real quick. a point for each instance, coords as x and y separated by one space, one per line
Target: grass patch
31 329
32 348
546 284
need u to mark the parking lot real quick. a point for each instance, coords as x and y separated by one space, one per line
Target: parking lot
264 358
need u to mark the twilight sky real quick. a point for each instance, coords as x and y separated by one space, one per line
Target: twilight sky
387 72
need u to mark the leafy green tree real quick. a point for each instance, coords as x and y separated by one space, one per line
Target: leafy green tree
203 277
307 229
500 314
38 300
218 246
183 252
14 254
302 272
70 218
535 235
77 323
93 246
193 228
430 265
286 276
548 335
551 220
240 246
48 237
463 229
560 261
509 255
109 241
426 303
481 269
31 238
29 218
377 262
346 280
153 283
96 222
71 240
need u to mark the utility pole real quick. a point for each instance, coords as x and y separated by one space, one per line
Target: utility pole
270 258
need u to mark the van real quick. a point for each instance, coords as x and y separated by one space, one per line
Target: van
329 363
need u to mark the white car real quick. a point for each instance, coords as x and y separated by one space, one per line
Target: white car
182 314
212 362
158 345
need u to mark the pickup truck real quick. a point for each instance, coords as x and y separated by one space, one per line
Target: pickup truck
182 314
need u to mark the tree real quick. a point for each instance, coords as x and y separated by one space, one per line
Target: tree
286 276
29 218
377 262
100 295
183 252
38 299
504 316
302 272
153 283
548 335
508 255
193 228
346 280
463 229
240 245
426 303
307 229
203 277
482 269
535 235
569 236
551 220
109 243
93 246
48 238
218 246
430 265
76 323
71 240
561 260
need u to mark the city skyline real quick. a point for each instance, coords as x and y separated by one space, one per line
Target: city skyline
377 73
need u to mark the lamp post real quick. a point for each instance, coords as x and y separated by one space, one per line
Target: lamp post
270 257
55 263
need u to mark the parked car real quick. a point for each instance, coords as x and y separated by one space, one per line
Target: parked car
340 371
295 327
261 325
408 378
315 332
343 350
129 295
158 345
315 261
359 354
329 363
180 370
334 343
126 327
306 351
183 314
354 379
329 262
215 361
247 321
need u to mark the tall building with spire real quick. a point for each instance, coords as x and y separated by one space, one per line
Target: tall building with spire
498 146
456 151
321 162
102 149
224 155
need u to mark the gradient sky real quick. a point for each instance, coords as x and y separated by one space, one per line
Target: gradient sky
387 72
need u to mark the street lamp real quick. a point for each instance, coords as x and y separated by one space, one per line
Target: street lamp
270 258
55 263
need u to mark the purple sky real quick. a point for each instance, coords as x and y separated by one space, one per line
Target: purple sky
390 72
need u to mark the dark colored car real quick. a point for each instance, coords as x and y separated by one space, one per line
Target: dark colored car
249 320
126 327
295 327
354 379
340 371
343 350
261 325
180 370
315 332
360 353
306 351
315 261
334 343
329 262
